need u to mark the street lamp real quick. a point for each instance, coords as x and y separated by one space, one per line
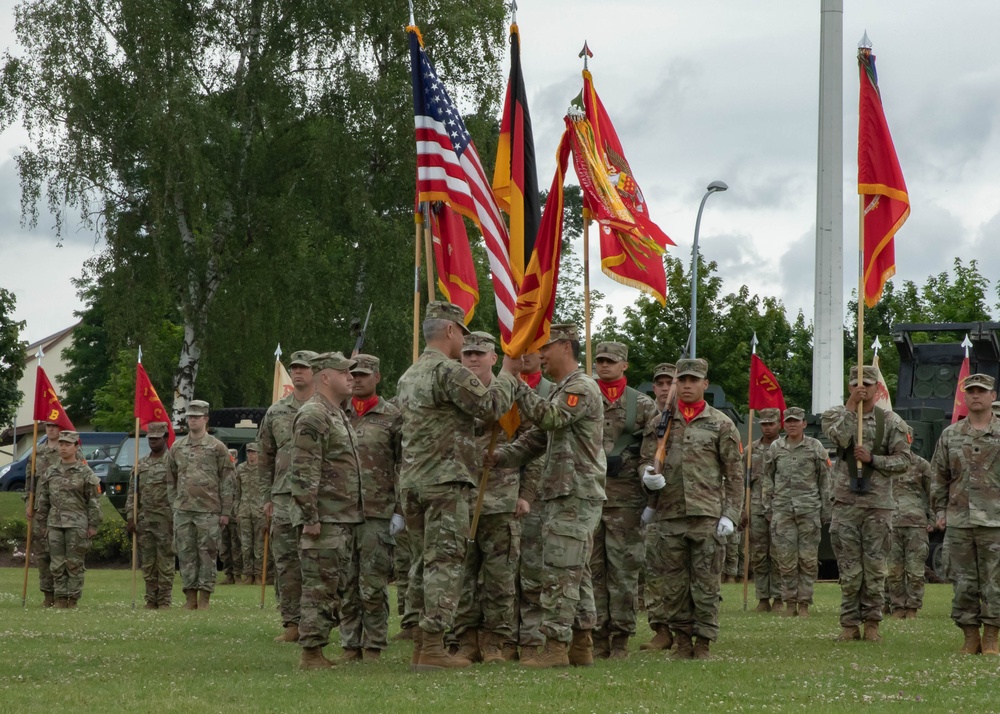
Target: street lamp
712 188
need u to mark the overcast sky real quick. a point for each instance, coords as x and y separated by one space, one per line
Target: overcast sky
702 91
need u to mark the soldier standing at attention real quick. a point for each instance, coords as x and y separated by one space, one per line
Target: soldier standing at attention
965 496
862 501
201 477
663 379
763 562
911 522
439 400
46 457
156 519
275 439
68 516
364 614
796 500
325 483
249 507
618 556
699 502
568 429
230 549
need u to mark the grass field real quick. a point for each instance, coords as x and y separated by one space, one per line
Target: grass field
104 656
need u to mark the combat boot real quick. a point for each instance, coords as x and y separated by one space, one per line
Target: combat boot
256 580
529 653
491 651
685 649
203 597
898 614
663 640
701 649
509 651
803 609
581 650
847 634
71 604
418 644
554 654
777 606
619 647
49 600
989 642
192 600
433 655
871 631
230 580
59 603
312 658
791 609
911 614
972 644
351 654
246 580
405 634
289 634
468 646
372 655
601 644
763 606
150 606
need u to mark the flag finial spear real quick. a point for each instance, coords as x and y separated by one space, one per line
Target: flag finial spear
41 353
753 343
513 12
412 19
140 354
876 345
586 54
967 343
277 352
864 43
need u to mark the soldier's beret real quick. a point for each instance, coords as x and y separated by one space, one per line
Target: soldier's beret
302 358
70 437
442 310
770 415
695 367
664 368
979 380
331 360
157 429
479 342
615 351
870 375
563 332
196 407
797 413
365 364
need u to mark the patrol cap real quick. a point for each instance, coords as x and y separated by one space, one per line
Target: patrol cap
479 342
664 368
796 413
253 446
979 380
443 310
996 408
615 351
50 423
196 407
302 358
869 376
770 415
70 437
157 429
365 364
332 360
563 332
695 367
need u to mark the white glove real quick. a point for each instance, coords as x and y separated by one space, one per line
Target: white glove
726 528
647 515
653 481
397 525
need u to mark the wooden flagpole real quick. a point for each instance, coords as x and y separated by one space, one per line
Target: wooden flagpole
861 319
32 485
586 289
135 511
416 289
746 509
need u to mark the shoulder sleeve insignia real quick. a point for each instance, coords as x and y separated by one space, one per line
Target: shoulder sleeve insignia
572 400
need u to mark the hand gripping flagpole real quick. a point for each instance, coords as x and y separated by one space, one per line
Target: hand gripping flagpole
746 497
32 484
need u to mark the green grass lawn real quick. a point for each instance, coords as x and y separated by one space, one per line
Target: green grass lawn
104 656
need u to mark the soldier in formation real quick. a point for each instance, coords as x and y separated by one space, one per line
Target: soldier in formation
152 496
249 508
230 548
46 457
763 563
911 522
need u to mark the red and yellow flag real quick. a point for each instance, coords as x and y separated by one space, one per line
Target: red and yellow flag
456 273
765 392
47 405
281 385
880 182
148 407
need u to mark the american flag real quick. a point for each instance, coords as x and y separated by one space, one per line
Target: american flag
449 170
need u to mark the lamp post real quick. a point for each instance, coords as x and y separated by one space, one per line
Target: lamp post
712 188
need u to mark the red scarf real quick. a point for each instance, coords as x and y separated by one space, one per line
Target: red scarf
533 379
363 406
690 411
612 390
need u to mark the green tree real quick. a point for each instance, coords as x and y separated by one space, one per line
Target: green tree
12 360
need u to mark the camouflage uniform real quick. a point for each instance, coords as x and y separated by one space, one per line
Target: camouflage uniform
67 507
704 481
46 458
966 493
364 619
249 507
439 400
155 528
909 542
796 501
763 563
568 428
201 476
230 547
861 522
325 485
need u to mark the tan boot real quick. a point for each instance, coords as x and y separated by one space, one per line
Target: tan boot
509 651
554 654
246 580
847 634
685 648
492 654
371 655
662 640
71 603
230 580
59 603
150 606
191 603
49 600
529 653
351 654
289 634
989 642
619 647
791 609
701 649
418 643
312 658
803 609
163 606
581 650
433 654
601 644
777 606
972 644
406 634
468 646
911 614
871 631
763 606
203 599
898 614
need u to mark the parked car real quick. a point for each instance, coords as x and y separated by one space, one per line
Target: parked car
99 450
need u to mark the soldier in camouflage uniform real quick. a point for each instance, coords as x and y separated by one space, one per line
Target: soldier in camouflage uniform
796 499
767 582
911 522
156 518
46 457
862 509
275 440
487 610
568 428
618 554
364 615
230 548
325 482
68 515
965 497
201 478
249 507
698 503
439 400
